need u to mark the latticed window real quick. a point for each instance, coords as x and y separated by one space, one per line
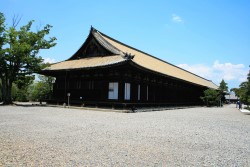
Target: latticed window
127 91
113 91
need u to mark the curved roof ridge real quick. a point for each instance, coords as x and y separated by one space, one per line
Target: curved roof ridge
119 51
149 63
78 50
105 43
150 55
96 34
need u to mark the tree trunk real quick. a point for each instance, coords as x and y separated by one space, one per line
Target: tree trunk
6 90
1 89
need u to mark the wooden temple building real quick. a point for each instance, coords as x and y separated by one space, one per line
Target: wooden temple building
106 72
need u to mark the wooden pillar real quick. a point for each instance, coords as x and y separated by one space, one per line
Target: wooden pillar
121 91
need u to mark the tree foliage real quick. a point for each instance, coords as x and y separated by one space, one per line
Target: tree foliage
223 86
211 97
19 49
243 92
248 85
43 89
2 42
14 92
0 90
22 83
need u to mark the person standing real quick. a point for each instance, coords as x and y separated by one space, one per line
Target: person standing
237 103
240 107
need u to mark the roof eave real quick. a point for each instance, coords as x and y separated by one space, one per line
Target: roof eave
133 63
83 68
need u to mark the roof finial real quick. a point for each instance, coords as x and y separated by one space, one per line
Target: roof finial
92 28
128 56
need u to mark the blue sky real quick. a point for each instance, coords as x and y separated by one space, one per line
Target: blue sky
208 37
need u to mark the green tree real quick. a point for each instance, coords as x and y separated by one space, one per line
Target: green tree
248 86
233 90
43 89
0 90
14 92
19 55
2 42
48 81
243 92
211 97
22 83
223 88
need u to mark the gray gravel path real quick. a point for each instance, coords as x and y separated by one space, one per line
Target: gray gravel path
46 136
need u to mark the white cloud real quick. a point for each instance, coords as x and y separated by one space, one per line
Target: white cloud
236 73
198 69
177 18
49 60
229 71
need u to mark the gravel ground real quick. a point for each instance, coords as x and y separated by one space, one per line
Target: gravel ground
46 136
